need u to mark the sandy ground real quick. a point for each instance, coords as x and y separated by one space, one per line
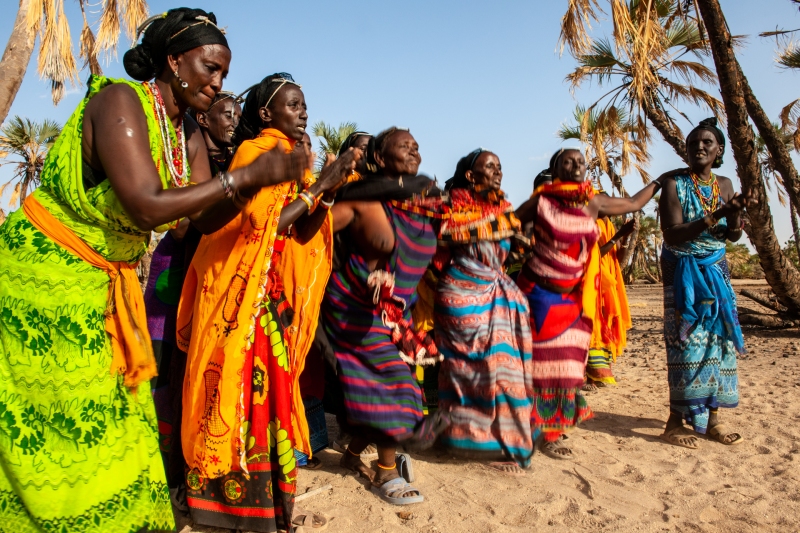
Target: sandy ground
623 478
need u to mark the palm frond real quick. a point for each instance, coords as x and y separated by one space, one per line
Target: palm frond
56 60
789 57
88 45
575 25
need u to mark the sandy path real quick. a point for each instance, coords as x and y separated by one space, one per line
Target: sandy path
623 477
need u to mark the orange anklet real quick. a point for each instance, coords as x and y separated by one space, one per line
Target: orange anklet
387 467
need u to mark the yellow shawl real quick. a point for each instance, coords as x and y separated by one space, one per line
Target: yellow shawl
216 317
614 317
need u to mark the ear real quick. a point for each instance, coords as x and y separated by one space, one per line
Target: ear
266 116
202 120
470 176
173 61
379 159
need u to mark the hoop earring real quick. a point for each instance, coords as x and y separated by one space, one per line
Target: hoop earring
183 83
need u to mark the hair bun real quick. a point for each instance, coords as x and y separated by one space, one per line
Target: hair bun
710 121
138 64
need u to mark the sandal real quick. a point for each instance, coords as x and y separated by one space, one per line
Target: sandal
680 436
394 491
315 463
509 468
404 467
309 521
720 433
550 449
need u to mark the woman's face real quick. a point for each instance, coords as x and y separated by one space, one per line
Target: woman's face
287 112
703 149
203 68
220 121
361 143
486 171
571 166
400 155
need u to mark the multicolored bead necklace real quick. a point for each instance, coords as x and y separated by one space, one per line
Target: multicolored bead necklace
711 202
174 156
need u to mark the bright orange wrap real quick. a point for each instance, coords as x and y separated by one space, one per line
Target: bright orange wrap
126 320
216 317
614 315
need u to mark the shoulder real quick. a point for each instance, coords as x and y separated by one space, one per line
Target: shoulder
116 94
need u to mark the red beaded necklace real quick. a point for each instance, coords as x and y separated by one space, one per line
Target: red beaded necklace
174 156
711 202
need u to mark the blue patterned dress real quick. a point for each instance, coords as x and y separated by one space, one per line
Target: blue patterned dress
701 327
483 331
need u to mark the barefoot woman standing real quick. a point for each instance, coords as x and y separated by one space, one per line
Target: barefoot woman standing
700 212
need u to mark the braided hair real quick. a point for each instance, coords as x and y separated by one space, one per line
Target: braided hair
465 164
174 32
258 96
377 144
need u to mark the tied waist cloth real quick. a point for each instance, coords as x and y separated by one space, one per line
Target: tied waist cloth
703 296
125 317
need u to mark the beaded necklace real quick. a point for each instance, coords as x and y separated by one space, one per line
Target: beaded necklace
711 202
174 156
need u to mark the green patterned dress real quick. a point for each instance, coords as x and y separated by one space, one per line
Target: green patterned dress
79 452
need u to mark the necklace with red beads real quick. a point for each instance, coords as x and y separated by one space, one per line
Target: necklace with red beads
174 156
710 202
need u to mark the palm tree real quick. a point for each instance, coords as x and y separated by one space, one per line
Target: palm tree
612 146
740 106
29 141
644 257
57 62
331 139
646 63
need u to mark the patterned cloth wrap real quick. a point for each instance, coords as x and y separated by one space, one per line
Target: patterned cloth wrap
380 390
78 448
565 254
482 326
247 316
701 324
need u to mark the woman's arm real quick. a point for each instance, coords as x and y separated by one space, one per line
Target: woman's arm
343 215
606 206
116 140
623 232
526 213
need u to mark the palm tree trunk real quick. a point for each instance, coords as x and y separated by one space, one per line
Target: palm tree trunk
778 151
781 274
673 137
795 229
15 59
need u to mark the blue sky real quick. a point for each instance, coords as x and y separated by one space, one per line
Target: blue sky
459 74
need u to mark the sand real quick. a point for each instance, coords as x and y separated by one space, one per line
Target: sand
623 478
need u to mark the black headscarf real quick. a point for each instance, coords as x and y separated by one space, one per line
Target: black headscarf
257 97
545 176
351 139
466 163
710 124
173 32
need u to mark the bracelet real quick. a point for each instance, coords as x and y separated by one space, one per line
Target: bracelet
226 180
310 200
326 205
658 186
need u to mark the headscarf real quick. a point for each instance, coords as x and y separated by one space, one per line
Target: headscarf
259 96
465 164
174 32
710 124
545 176
351 139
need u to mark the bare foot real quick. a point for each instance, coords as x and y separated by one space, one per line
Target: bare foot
354 464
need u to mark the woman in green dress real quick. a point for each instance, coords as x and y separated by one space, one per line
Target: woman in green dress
78 437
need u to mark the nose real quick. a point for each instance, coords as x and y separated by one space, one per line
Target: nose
304 114
216 83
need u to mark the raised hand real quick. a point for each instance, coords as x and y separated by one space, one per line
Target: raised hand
334 174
